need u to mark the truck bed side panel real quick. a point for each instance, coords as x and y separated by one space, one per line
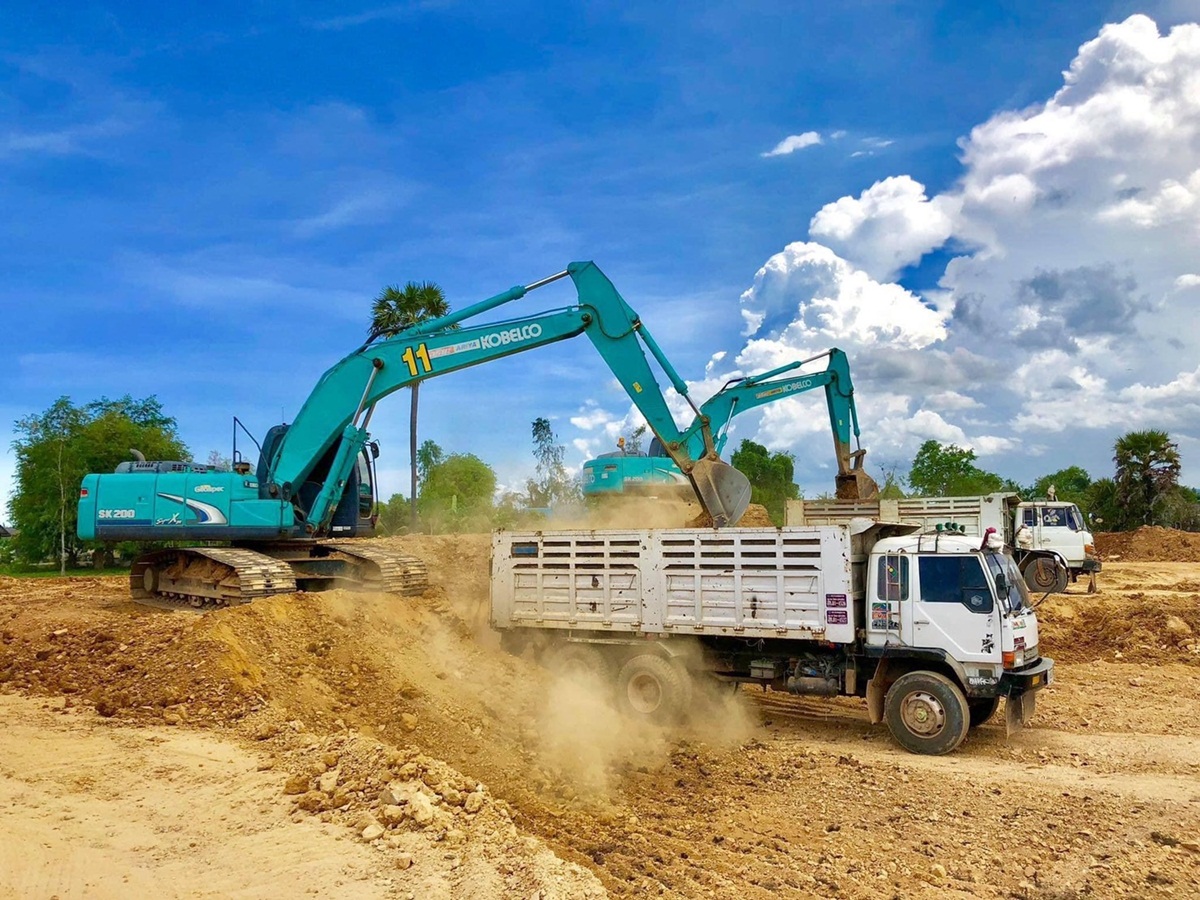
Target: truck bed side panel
768 582
568 579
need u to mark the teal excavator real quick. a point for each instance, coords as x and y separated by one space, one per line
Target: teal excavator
289 524
623 473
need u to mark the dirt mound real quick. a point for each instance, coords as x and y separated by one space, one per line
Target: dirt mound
1153 627
1150 543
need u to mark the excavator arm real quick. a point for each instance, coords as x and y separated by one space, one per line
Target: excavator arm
745 394
442 345
616 473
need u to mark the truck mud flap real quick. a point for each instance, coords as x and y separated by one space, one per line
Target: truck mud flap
1018 711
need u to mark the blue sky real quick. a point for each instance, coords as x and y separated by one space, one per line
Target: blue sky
201 204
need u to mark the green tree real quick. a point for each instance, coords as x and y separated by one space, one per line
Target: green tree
949 471
457 494
553 486
771 477
1070 484
891 488
1102 506
396 310
428 456
1148 466
57 447
393 515
1180 509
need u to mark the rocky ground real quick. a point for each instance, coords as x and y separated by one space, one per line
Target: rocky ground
342 745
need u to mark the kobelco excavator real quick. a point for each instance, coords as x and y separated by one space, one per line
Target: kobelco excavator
286 524
623 473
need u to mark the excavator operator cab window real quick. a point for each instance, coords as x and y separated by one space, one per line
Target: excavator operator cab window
366 493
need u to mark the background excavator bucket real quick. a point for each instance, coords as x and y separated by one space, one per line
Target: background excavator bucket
724 492
853 483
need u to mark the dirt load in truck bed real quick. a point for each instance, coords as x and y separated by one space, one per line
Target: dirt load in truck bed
386 747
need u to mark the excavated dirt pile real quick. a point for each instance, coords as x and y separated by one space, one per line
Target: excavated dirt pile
465 772
1150 543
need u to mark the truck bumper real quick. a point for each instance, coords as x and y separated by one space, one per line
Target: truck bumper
1014 683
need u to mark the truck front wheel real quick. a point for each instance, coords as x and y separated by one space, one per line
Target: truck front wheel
926 713
1045 575
652 688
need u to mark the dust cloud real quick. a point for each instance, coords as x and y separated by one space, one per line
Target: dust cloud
584 740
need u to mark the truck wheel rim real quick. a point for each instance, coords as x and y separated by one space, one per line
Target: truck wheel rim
923 714
645 694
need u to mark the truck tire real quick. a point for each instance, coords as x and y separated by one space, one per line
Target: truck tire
1044 575
578 662
926 713
983 710
653 689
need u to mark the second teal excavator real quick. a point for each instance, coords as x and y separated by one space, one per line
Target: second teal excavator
623 473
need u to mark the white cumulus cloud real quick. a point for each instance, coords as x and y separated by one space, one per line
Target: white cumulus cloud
806 299
794 142
890 225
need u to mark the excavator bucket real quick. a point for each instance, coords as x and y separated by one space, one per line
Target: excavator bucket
853 483
724 492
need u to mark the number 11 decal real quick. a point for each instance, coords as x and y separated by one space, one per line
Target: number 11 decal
411 360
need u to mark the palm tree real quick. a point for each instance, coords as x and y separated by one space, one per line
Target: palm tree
394 311
1148 467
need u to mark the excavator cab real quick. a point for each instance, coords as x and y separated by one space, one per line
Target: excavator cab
354 515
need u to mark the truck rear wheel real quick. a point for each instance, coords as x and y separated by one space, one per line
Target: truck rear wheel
578 661
926 713
652 688
983 710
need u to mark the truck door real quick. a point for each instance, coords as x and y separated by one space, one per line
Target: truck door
953 609
1057 528
887 596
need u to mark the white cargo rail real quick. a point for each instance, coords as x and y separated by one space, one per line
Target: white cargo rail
748 582
974 514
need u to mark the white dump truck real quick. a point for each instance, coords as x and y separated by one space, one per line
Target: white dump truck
1048 538
932 629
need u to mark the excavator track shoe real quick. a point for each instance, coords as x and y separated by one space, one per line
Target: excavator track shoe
200 578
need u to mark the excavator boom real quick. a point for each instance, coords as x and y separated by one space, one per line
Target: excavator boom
438 347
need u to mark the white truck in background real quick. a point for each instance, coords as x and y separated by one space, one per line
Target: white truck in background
932 629
1048 538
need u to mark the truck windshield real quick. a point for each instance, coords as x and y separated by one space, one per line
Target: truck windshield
1074 518
1065 516
1018 593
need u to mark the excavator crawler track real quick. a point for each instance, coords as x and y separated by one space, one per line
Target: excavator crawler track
200 578
386 570
207 577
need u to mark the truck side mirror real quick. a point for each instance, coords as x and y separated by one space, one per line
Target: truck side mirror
1001 584
374 449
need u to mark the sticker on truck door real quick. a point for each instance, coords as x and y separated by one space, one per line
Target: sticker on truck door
882 617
